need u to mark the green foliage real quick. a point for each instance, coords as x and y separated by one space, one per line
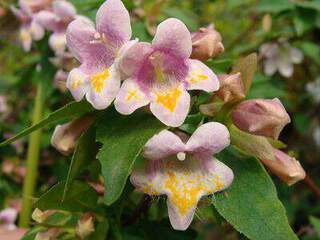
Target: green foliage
80 197
316 223
115 132
251 204
71 110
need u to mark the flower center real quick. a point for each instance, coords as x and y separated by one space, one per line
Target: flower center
181 156
97 80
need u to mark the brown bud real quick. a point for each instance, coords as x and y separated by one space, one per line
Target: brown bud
206 43
85 225
262 117
41 216
231 87
65 136
37 5
287 168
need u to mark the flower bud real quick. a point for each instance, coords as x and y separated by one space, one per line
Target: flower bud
231 87
41 216
287 168
85 226
262 117
65 136
36 5
206 43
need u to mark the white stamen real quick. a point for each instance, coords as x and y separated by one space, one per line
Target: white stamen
181 156
96 35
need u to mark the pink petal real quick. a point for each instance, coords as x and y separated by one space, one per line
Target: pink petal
36 30
58 42
104 86
170 106
172 35
25 38
162 145
201 77
82 43
64 9
135 57
209 138
78 83
47 19
113 21
130 98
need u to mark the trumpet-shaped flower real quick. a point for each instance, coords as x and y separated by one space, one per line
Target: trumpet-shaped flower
161 73
98 77
30 29
184 170
57 21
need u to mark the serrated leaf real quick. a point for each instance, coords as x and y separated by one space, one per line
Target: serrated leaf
81 197
251 204
123 138
247 66
84 153
71 110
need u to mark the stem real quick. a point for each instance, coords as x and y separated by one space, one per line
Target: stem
312 185
32 161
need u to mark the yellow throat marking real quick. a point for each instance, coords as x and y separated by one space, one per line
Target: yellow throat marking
197 76
169 99
98 80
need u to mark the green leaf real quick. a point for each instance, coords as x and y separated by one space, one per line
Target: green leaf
309 4
84 153
101 230
247 66
71 110
275 6
185 15
31 234
304 20
251 204
316 224
311 50
80 197
123 139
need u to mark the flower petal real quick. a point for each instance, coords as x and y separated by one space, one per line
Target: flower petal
162 145
170 106
64 9
113 21
134 58
81 42
296 55
173 35
201 77
57 42
104 86
25 38
184 183
209 138
270 66
285 67
77 83
36 30
47 19
130 98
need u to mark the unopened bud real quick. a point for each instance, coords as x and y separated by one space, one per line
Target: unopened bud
231 87
65 136
37 5
262 117
85 226
287 168
206 44
212 108
51 234
41 216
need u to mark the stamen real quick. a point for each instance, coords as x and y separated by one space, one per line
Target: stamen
181 156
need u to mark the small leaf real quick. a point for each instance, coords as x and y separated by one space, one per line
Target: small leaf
123 139
247 66
251 204
256 146
275 6
185 15
81 197
311 50
71 110
83 155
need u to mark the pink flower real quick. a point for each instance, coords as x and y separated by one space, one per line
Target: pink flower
8 217
98 77
57 21
184 171
30 29
161 73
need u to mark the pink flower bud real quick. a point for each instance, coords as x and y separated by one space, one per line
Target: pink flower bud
65 136
287 168
262 117
206 43
85 226
37 5
231 87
